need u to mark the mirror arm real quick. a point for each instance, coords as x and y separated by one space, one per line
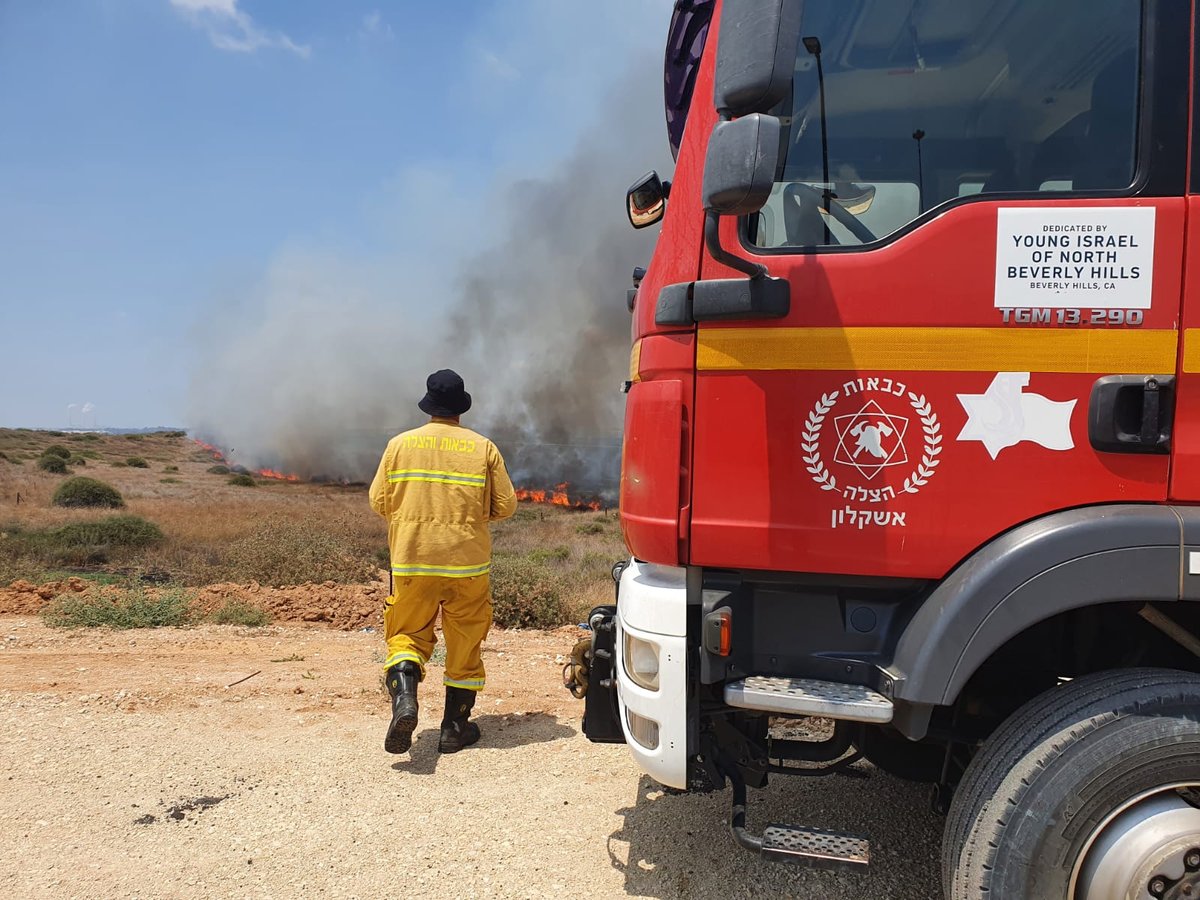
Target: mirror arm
712 240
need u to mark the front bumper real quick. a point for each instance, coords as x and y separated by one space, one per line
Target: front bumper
652 607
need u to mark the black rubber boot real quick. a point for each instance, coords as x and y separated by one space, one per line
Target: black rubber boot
457 732
402 681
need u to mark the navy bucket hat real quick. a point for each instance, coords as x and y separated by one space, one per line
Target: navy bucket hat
445 396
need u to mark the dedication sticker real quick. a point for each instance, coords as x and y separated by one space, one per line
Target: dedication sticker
1080 258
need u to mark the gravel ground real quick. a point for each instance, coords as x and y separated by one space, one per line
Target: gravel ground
131 770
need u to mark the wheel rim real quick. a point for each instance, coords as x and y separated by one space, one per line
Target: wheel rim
1147 849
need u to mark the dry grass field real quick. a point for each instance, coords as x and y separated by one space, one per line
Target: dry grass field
550 564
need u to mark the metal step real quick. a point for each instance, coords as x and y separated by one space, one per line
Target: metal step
815 847
809 697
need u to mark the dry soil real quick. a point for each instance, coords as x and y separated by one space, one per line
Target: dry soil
134 766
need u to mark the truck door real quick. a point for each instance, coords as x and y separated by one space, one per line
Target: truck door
980 213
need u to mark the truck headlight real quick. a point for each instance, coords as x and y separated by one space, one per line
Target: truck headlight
641 662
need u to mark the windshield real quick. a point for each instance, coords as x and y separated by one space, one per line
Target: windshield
930 100
685 45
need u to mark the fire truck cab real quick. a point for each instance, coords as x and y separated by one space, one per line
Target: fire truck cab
912 430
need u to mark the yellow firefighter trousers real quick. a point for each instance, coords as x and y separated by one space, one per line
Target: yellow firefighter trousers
408 618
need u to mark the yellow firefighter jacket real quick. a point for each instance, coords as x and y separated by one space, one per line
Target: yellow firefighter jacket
438 486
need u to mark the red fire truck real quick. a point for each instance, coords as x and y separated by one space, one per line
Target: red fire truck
912 437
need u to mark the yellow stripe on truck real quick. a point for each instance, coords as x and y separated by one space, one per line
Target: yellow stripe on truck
1151 351
1191 350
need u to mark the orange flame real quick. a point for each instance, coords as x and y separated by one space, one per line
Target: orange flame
559 496
216 454
278 476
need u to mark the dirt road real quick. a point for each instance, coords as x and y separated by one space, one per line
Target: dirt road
130 769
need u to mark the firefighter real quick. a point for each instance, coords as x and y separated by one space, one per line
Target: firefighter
438 486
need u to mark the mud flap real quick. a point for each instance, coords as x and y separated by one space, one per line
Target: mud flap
601 716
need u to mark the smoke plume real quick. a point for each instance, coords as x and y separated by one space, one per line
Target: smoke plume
523 294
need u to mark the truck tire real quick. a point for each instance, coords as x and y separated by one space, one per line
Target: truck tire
889 750
1087 792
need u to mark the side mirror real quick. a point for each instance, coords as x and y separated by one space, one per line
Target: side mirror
756 54
740 167
646 200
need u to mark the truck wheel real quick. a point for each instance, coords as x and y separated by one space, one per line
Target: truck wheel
895 754
1089 792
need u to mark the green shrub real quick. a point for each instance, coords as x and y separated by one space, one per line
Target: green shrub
136 462
548 554
170 480
174 434
56 433
55 465
526 595
80 491
57 450
591 528
218 470
279 553
135 609
76 461
77 544
238 612
170 468
243 481
111 531
133 437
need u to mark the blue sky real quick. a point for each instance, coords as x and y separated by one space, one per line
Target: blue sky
159 157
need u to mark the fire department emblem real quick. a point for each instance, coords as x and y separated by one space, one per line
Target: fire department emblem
871 424
870 440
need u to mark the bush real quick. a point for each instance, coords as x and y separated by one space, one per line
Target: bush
170 468
135 609
243 481
57 450
526 595
238 612
279 553
55 465
77 544
218 470
136 462
80 491
111 531
591 528
548 554
170 480
133 437
76 461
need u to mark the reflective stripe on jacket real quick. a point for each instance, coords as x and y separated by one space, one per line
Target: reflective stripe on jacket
438 486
